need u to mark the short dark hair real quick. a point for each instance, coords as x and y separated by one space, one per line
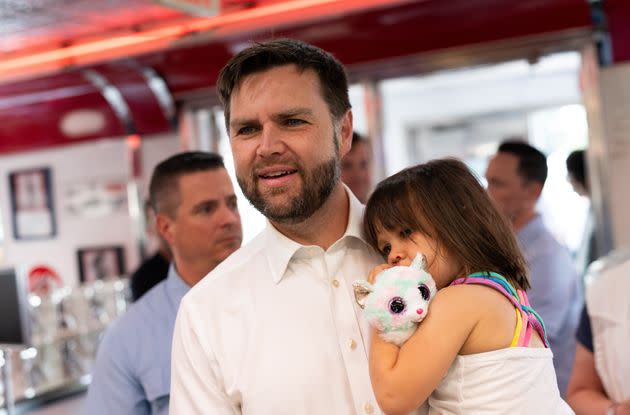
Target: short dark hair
358 138
444 200
532 163
164 188
267 55
576 166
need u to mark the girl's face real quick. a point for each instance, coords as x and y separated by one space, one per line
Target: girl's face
400 248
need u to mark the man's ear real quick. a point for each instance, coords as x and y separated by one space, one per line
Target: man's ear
164 226
345 133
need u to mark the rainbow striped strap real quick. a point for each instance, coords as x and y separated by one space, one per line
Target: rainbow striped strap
527 318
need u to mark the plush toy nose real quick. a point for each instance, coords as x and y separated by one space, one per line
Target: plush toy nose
420 311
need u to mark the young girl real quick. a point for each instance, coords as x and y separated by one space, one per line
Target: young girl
481 349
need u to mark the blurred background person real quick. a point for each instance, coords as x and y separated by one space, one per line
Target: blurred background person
356 167
154 269
197 215
577 172
600 381
516 175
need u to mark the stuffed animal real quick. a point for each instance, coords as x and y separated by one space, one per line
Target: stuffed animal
398 300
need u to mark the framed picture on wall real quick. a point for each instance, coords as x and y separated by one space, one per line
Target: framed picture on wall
32 204
101 263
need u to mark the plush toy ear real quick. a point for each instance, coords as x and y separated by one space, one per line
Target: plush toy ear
361 289
419 262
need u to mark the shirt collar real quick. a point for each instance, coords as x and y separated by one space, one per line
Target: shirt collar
531 229
281 249
176 287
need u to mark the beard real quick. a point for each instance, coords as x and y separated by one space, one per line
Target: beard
317 185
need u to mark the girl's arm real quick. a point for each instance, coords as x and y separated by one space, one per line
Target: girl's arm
585 392
404 377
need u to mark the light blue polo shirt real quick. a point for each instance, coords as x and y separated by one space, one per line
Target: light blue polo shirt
132 371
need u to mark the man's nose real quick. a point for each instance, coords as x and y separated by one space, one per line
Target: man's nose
270 141
229 215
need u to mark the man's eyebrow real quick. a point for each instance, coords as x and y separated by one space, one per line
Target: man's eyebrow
242 121
292 113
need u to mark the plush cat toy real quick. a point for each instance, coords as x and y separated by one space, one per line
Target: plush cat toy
398 301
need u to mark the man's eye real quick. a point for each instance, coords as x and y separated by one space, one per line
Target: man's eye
245 130
294 122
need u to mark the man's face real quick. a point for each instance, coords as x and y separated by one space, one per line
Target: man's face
206 227
286 148
511 194
356 170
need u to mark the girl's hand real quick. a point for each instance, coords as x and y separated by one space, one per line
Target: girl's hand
375 271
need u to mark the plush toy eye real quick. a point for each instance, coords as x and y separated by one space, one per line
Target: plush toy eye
397 305
424 292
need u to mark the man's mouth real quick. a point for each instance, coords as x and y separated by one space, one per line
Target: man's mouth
277 174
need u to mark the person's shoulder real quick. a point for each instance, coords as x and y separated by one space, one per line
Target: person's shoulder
139 317
463 298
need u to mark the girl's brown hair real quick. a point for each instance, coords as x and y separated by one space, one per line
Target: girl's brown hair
444 200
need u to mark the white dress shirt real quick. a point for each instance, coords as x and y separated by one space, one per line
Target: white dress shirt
275 330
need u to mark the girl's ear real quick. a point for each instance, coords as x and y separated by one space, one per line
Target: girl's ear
361 290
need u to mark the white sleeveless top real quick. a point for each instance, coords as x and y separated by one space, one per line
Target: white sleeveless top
609 311
516 380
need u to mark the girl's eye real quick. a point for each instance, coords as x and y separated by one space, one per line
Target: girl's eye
397 305
405 233
387 248
424 292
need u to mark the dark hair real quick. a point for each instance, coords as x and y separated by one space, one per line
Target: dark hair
444 200
264 56
532 164
164 188
358 138
576 166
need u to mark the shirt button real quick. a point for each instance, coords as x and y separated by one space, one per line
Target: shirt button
352 344
368 408
335 283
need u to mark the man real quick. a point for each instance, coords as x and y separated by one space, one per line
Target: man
275 328
356 167
589 250
197 216
154 269
516 176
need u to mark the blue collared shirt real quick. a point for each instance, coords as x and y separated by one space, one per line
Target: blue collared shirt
132 371
555 292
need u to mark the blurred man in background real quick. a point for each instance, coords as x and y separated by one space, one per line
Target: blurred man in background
516 176
356 167
154 269
196 214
